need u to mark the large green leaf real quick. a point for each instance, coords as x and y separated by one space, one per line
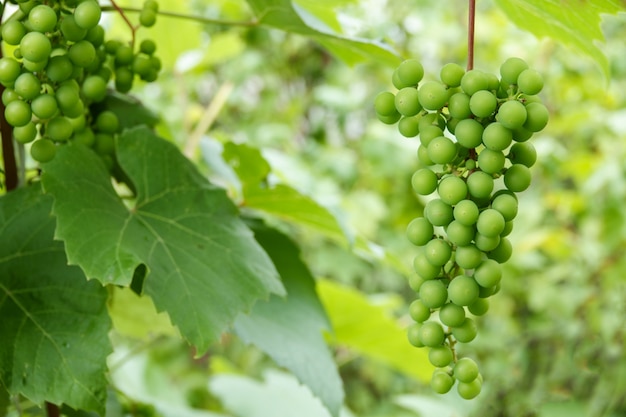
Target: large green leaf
290 329
572 22
54 322
369 329
204 266
318 22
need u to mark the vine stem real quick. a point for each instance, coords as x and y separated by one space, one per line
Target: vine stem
133 28
53 410
8 149
471 19
199 19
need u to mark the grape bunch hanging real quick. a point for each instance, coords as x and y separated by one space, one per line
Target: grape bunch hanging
62 66
474 130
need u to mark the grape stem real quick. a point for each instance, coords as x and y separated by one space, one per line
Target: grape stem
199 19
8 150
470 34
133 28
52 410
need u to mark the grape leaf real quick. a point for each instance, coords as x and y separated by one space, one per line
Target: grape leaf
290 329
571 22
204 264
303 18
370 330
54 322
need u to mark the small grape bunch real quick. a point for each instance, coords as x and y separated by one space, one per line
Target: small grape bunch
473 129
62 65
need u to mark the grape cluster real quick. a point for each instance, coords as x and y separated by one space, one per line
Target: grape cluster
63 64
473 129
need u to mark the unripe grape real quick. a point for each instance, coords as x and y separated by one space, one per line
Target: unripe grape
13 31
460 234
438 213
440 356
42 18
425 269
70 30
433 119
438 252
469 390
523 153
431 334
506 204
474 81
441 382
480 184
389 120
147 18
537 117
463 290
479 307
107 122
424 181
105 144
9 71
410 73
413 334
419 231
35 47
94 88
124 81
452 315
486 243
468 256
82 53
451 74
517 178
483 103
511 69
419 311
452 189
490 223
459 106
43 150
433 95
9 95
26 133
497 137
85 137
511 114
422 156
148 47
442 150
45 106
433 293
530 82
95 35
502 252
428 133
59 129
87 14
490 161
522 135
59 68
152 5
407 102
469 133
409 126
466 370
466 332
17 113
27 85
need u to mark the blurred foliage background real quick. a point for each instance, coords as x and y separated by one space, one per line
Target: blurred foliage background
552 343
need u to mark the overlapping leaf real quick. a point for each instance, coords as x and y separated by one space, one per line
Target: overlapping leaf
204 265
572 22
54 322
290 329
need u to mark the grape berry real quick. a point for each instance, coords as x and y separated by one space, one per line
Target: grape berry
61 66
473 130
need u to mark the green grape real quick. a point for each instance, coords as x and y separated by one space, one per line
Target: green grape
43 150
491 161
413 334
466 370
9 71
433 293
488 292
469 133
42 18
94 88
105 144
451 74
451 125
416 281
452 189
474 81
438 252
67 96
463 290
85 137
141 65
59 129
537 117
479 307
82 53
483 103
419 231
502 252
96 35
45 106
147 18
506 204
511 114
508 228
27 85
13 31
424 181
517 178
523 153
111 46
442 150
486 243
70 30
35 47
511 69
433 95
480 184
76 110
490 223
389 120
422 156
460 234
469 390
432 119
428 133
530 82
441 382
34 66
26 133
107 122
409 126
459 106
410 73
87 14
466 332
148 47
522 135
425 269
9 95
152 5
438 213
497 137
466 212
124 55
78 123
431 334
468 256
124 80
452 315
440 356
407 102
17 113
59 68
419 311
